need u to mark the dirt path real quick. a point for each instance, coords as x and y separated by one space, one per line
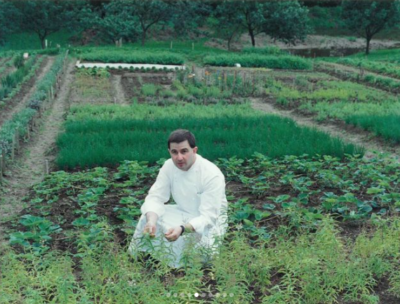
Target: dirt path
29 168
356 137
119 96
27 89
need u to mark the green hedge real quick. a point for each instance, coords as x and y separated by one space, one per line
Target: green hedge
256 60
272 50
107 56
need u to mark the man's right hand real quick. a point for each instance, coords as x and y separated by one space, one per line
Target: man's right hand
150 228
151 225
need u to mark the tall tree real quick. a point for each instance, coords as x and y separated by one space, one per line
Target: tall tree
114 21
150 13
189 16
367 18
285 20
9 17
252 17
45 17
226 21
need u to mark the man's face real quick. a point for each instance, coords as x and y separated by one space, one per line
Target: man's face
182 154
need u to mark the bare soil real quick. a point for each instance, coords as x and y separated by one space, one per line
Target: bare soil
311 42
119 96
132 82
87 89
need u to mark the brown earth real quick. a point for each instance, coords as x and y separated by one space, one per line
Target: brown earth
311 42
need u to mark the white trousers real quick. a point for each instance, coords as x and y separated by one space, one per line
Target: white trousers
179 252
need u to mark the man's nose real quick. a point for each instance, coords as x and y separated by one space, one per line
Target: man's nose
180 156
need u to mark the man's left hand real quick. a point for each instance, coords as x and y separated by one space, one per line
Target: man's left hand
173 233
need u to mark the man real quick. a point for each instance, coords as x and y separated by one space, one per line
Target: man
199 216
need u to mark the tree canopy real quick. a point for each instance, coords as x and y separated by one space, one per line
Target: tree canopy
367 18
45 17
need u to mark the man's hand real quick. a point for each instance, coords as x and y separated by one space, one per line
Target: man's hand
173 233
150 228
151 225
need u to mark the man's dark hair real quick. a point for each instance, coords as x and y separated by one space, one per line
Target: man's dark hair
181 135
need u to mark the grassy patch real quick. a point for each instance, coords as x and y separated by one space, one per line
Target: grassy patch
386 126
228 131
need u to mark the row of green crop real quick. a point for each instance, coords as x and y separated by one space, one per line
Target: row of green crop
330 90
272 50
261 61
6 63
11 81
387 68
341 100
91 142
250 57
108 56
18 124
343 109
382 82
387 127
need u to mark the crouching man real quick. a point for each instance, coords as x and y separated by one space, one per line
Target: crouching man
199 218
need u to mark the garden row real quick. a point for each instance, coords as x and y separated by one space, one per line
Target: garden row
260 58
374 80
206 87
106 135
370 109
7 64
386 68
18 128
11 83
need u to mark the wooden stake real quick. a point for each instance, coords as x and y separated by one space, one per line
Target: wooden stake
225 82
13 149
1 169
234 81
28 131
3 161
17 140
46 167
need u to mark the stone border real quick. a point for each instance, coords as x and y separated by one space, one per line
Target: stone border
129 66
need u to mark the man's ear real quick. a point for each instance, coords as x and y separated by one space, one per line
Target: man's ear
195 150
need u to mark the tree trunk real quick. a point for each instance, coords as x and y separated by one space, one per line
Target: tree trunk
143 37
43 41
251 33
367 47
